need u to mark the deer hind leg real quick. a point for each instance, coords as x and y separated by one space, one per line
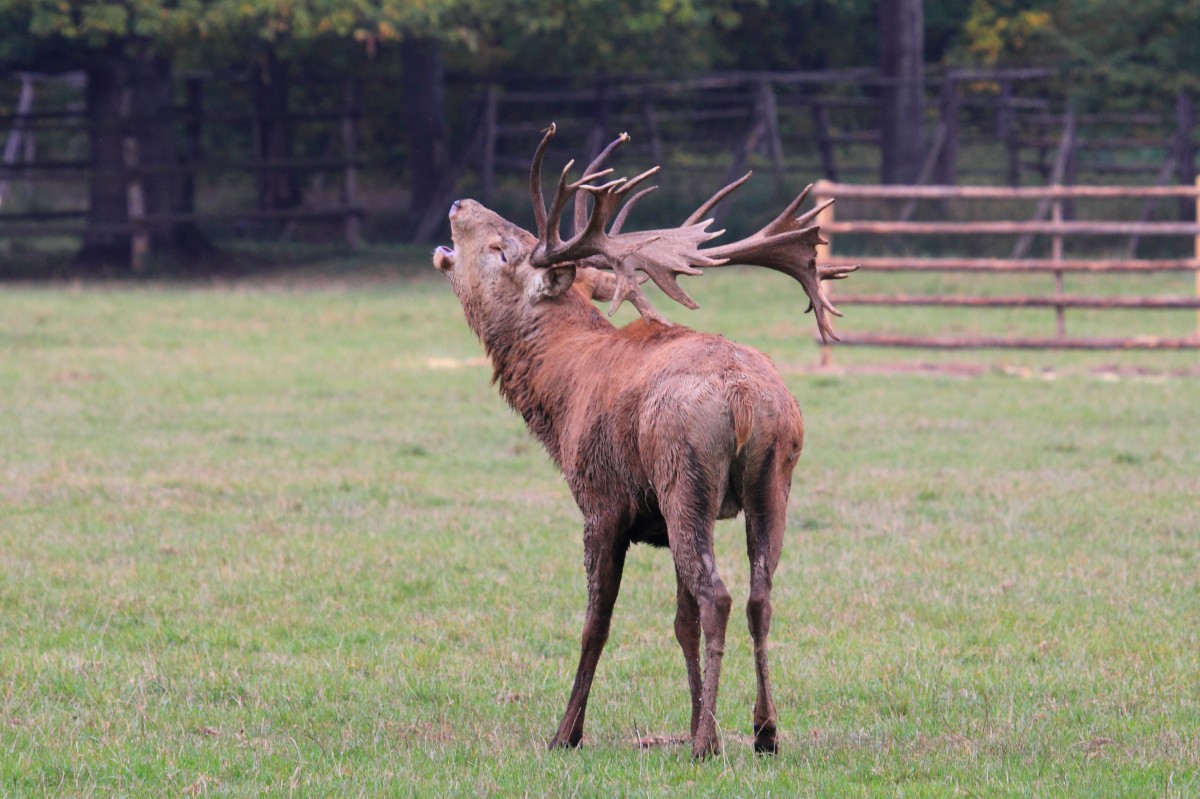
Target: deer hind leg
687 632
765 504
604 559
691 516
714 601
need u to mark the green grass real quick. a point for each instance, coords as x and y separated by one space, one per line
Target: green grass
283 538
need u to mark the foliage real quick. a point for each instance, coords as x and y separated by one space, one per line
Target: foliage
612 36
1008 33
800 34
99 21
1154 47
1107 47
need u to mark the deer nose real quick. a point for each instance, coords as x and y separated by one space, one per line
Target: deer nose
455 207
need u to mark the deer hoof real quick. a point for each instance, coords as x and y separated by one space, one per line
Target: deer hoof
764 740
702 750
563 743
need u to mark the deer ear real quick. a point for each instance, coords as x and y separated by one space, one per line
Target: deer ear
601 285
553 282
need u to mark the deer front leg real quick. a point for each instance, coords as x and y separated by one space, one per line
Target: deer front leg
604 560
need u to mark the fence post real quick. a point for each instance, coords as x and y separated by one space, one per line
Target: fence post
193 137
824 220
135 202
1008 132
770 112
824 145
18 136
650 120
947 158
1066 146
1056 253
1185 151
350 112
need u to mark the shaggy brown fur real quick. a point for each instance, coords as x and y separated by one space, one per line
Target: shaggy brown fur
659 430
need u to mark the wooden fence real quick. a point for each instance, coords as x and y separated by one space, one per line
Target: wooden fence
45 154
1057 229
827 122
989 126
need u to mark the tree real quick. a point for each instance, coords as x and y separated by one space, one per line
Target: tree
902 65
1108 50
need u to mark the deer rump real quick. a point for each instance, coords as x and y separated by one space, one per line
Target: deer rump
702 422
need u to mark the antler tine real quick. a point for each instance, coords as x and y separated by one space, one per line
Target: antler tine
565 192
590 238
785 220
813 213
597 162
623 214
614 193
535 181
712 201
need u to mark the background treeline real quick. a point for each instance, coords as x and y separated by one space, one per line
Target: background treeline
390 93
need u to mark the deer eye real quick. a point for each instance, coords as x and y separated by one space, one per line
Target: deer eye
496 248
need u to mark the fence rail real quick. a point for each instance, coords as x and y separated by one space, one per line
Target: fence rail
1056 228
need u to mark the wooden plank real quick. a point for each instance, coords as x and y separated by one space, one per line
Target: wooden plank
1111 143
1063 301
31 229
848 190
257 165
1016 342
1020 265
39 216
1197 251
21 168
874 226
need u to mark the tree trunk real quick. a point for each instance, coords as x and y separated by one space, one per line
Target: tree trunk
107 243
1185 150
424 116
178 241
902 64
134 156
277 188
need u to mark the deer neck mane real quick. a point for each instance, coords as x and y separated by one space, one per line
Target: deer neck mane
539 359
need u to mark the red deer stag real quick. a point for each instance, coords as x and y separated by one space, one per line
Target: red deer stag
659 430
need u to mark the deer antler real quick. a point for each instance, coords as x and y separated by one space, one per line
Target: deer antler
789 245
660 254
785 245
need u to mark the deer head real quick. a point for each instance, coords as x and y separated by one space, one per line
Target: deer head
494 260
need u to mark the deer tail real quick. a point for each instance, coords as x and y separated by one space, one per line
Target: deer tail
741 405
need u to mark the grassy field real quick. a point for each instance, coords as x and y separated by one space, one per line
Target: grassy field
281 537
